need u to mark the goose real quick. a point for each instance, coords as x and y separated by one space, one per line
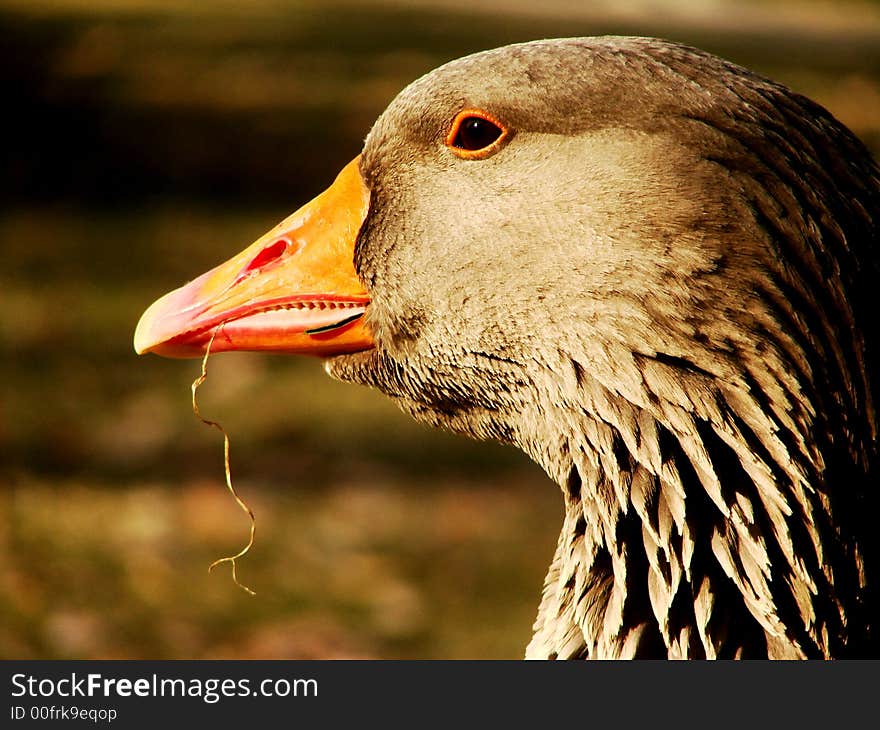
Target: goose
651 270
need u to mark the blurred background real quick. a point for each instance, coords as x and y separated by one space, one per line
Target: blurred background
148 140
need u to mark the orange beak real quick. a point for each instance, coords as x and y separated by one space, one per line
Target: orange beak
294 290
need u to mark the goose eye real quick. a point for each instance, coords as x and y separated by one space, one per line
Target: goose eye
475 134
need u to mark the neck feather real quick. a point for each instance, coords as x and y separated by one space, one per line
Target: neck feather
689 532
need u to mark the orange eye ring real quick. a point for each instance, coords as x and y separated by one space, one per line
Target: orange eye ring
480 153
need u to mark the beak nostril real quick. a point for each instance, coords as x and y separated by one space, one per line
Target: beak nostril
269 254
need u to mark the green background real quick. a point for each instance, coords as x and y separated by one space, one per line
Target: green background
147 141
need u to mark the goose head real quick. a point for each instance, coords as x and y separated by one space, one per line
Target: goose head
645 267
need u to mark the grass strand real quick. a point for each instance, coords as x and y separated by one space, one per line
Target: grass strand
231 559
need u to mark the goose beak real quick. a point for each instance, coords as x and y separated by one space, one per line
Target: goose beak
294 290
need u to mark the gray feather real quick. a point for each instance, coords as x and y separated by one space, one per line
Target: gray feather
661 288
